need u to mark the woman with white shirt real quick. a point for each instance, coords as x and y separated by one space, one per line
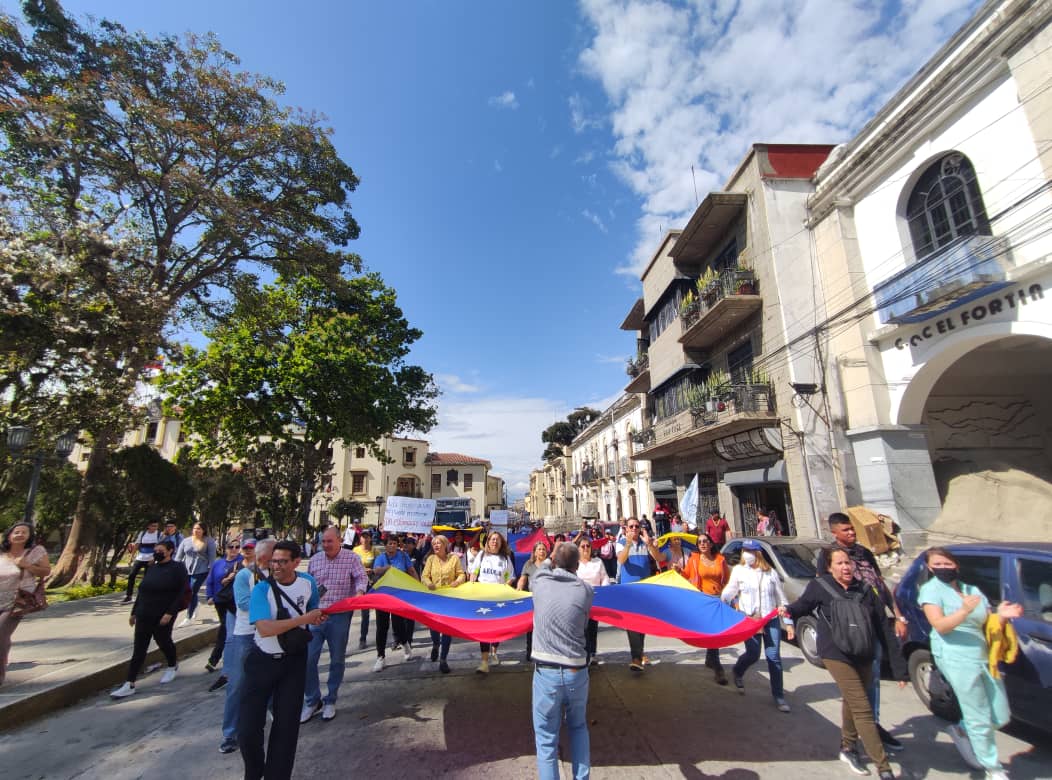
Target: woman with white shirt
592 571
494 565
758 592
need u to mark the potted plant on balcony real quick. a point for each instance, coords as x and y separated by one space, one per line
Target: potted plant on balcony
688 307
759 389
709 287
631 368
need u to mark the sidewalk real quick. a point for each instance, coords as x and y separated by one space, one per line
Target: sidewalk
76 649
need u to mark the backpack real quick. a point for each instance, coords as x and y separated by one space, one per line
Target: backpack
849 622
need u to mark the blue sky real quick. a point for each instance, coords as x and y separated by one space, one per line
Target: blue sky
520 160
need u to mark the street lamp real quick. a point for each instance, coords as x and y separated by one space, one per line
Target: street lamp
379 504
18 439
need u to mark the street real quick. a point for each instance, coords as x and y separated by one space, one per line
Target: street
410 721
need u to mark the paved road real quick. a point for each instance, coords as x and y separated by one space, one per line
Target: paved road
411 722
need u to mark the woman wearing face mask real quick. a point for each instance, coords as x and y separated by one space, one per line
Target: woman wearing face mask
958 613
758 592
153 614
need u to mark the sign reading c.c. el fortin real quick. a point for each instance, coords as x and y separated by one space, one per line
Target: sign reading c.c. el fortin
991 307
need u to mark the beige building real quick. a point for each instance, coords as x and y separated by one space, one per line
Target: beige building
718 390
453 475
608 483
494 493
551 494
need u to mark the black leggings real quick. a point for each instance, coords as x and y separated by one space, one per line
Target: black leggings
402 631
217 650
137 566
147 628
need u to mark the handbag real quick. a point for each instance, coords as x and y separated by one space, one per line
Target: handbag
224 597
294 641
28 602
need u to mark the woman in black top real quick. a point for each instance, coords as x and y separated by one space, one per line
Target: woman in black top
852 673
153 614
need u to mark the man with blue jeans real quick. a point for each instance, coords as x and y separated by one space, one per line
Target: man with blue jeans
239 634
561 606
340 575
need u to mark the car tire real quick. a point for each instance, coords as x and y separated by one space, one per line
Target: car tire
921 666
807 640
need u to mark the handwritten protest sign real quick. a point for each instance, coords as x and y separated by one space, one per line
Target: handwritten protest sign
409 515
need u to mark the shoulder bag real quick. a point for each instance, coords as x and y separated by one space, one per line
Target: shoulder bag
293 641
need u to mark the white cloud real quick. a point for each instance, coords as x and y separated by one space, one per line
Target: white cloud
585 157
610 359
451 383
504 100
697 84
594 219
497 166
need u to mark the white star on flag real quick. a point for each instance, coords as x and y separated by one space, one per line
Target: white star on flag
500 604
483 610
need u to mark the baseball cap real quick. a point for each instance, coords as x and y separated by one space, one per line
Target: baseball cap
752 544
248 543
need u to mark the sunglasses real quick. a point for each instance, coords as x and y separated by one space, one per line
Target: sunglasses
281 561
233 546
633 526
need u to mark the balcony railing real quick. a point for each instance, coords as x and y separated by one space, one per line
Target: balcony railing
589 473
971 267
719 308
625 464
636 367
739 281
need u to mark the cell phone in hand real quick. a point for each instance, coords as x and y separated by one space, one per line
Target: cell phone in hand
322 590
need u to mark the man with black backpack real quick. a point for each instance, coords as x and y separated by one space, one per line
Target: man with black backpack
280 609
851 625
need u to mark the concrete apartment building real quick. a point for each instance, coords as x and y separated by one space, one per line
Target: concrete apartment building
495 498
711 366
607 482
932 229
551 495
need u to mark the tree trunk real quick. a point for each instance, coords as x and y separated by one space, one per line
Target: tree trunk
78 559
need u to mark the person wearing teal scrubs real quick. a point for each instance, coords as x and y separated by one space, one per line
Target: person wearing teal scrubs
957 613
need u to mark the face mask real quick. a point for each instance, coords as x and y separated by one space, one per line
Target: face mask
749 558
159 556
945 575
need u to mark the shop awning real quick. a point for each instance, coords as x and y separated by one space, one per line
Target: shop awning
773 473
663 486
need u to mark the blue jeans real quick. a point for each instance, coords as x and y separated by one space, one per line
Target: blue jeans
772 635
196 581
234 652
556 690
334 632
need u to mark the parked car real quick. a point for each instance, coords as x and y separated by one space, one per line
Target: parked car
1018 572
795 558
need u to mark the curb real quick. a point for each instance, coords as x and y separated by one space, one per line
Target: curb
41 703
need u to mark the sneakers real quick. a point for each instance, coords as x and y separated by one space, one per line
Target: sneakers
483 668
363 644
380 664
636 665
309 711
854 761
887 776
782 704
185 622
328 712
996 774
494 658
964 746
169 675
211 667
127 600
434 653
408 653
124 691
219 683
739 683
720 675
594 661
443 666
891 745
228 746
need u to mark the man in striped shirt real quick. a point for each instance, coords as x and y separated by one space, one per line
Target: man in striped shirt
340 575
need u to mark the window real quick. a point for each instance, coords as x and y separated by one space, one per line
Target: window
182 435
945 205
984 572
671 399
1035 577
727 259
358 483
452 477
739 363
409 455
469 479
359 452
151 432
436 482
406 486
666 314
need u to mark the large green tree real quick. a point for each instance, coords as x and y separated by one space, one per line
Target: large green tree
305 364
561 434
146 181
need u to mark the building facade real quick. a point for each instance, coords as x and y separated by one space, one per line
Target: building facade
932 229
721 396
495 498
551 495
608 484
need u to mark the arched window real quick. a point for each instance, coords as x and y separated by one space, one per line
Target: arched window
945 205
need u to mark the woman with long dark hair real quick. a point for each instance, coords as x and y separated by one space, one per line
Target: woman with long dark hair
707 571
197 553
23 563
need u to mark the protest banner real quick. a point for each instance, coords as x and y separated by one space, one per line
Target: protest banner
405 515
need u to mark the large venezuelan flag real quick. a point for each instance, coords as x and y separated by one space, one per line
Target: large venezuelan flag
478 611
526 543
689 542
667 605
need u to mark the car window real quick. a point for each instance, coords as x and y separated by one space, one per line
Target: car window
1035 577
732 553
984 572
798 560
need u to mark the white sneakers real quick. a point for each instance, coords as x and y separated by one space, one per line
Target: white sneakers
309 711
328 712
380 664
169 675
124 691
963 745
494 658
185 622
408 653
483 668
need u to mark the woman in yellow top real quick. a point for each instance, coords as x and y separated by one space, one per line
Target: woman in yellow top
367 553
708 572
442 570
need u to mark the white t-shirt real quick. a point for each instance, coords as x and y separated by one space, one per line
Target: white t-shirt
303 593
492 568
146 543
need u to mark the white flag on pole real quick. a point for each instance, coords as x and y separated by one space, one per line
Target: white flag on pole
689 509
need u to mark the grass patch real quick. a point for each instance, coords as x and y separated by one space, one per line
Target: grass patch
77 592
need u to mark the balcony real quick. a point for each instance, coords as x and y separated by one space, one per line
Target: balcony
624 465
589 473
639 370
953 275
720 308
740 408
